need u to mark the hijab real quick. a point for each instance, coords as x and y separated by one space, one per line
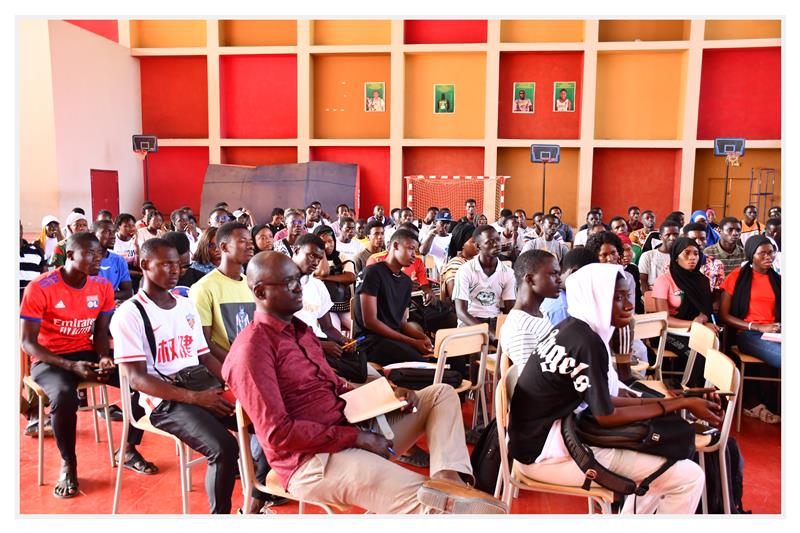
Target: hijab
712 237
333 258
740 303
695 286
590 292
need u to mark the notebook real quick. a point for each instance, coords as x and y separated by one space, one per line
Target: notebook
370 400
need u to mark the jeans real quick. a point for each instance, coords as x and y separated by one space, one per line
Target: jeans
61 387
206 433
750 342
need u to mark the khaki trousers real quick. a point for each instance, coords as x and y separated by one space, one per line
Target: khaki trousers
363 479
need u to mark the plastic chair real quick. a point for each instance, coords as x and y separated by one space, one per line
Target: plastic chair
649 326
184 453
649 302
493 358
458 342
93 406
272 484
721 372
701 339
745 359
511 478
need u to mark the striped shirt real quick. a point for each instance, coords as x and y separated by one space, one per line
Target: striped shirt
31 262
730 261
521 333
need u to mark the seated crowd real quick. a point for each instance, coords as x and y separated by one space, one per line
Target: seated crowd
268 310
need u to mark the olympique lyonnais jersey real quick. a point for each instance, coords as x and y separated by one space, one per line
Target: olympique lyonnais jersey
177 332
66 315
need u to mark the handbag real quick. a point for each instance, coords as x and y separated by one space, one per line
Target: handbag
195 377
419 378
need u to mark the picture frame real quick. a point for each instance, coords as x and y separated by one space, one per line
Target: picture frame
444 98
564 103
375 103
524 97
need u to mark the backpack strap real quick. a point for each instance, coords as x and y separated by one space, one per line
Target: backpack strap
151 338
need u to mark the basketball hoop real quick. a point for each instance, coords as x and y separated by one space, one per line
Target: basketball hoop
732 159
141 154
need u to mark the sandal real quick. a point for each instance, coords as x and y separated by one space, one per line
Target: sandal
418 458
137 463
67 486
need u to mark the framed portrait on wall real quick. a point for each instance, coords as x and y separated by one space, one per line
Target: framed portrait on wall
375 97
524 97
444 98
564 96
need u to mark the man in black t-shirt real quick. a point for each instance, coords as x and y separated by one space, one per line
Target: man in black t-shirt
383 296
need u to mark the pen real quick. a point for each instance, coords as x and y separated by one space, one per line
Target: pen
713 320
352 342
391 450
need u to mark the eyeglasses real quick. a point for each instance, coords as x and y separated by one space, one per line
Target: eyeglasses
222 219
291 284
298 222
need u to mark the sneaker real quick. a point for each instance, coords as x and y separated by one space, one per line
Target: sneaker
451 498
32 428
274 501
114 412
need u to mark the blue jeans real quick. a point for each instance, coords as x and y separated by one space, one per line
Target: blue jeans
750 343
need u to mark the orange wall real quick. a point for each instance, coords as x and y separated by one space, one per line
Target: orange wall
325 32
640 95
338 96
257 32
524 189
468 72
168 33
708 191
644 30
743 29
541 31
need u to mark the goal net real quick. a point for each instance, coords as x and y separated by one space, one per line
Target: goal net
423 192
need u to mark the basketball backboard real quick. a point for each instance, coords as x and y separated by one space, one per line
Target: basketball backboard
725 146
148 143
545 153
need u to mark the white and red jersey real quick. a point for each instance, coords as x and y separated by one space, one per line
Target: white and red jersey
178 335
66 315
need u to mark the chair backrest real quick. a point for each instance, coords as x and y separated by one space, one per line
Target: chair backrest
456 342
649 302
502 398
245 455
648 326
701 338
501 319
722 372
430 262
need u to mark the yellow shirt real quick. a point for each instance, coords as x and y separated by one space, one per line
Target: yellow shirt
227 306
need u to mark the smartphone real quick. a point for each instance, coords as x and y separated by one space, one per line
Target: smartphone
702 429
98 370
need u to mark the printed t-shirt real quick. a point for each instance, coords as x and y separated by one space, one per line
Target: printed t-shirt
66 314
126 249
521 333
226 305
484 294
349 250
653 263
178 336
316 302
569 367
762 299
114 268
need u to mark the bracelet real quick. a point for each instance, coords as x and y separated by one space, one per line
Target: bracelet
749 326
663 409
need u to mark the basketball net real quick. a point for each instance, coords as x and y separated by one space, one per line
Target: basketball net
733 159
141 154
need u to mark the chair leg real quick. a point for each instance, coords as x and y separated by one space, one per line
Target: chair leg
40 473
301 507
739 397
591 505
109 437
723 470
485 410
187 454
118 484
92 406
184 493
705 486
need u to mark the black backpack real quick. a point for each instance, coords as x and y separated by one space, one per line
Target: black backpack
485 459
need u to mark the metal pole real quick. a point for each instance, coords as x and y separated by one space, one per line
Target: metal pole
544 178
725 198
147 182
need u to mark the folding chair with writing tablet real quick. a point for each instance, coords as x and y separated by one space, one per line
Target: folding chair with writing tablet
93 406
511 478
745 359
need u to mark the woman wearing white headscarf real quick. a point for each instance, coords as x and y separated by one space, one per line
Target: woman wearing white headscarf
572 374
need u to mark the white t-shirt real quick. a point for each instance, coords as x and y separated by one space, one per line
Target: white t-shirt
192 242
510 245
178 334
348 250
484 294
126 249
557 248
580 238
521 333
388 231
439 247
316 302
652 263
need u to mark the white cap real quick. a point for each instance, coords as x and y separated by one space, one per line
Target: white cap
238 213
48 219
74 217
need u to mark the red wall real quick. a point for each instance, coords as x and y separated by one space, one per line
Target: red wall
544 68
647 177
373 168
258 96
104 28
254 156
740 94
445 31
176 177
174 96
442 161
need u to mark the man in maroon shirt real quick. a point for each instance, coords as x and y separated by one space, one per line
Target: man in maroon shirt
277 370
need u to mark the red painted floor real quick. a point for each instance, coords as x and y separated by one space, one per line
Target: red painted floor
760 445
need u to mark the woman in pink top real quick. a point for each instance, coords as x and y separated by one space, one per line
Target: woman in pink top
684 292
